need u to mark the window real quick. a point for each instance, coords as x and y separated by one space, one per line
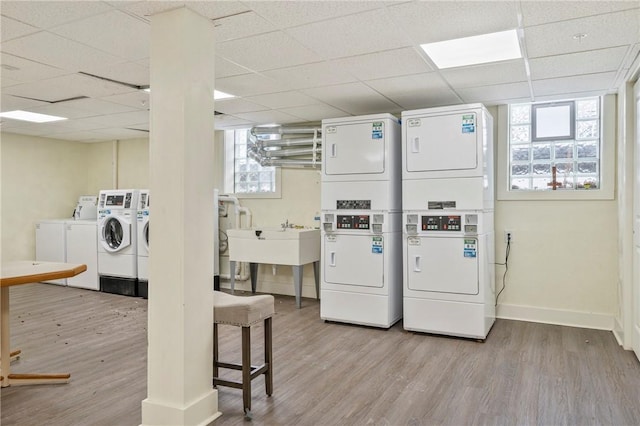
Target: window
244 176
555 145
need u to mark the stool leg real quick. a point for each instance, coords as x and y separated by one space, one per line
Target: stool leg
268 356
246 368
215 350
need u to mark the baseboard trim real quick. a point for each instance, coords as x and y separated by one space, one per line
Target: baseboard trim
618 332
580 319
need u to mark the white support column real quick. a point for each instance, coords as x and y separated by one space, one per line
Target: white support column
181 242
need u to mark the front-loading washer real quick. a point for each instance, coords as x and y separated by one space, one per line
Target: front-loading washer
143 243
117 241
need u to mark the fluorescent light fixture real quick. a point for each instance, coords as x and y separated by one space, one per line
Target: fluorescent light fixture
30 116
480 49
218 95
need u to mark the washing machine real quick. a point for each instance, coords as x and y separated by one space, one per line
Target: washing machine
448 221
361 244
143 243
117 241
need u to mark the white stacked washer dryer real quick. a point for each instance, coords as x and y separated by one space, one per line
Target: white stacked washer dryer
117 241
143 243
448 201
361 253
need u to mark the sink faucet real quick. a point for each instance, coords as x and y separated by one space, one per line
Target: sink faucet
285 225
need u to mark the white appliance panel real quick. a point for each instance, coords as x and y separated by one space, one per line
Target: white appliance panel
82 247
354 260
443 264
118 265
360 308
444 142
51 245
354 148
448 317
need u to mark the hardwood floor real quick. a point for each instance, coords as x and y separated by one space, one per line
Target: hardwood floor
325 373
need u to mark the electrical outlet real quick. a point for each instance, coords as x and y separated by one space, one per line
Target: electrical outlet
508 236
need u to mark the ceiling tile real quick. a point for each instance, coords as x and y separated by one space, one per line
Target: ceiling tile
123 119
316 112
495 93
287 14
7 82
93 107
62 110
310 75
10 103
588 82
366 32
59 52
416 91
28 70
283 100
131 73
390 63
537 12
487 74
266 51
249 85
354 98
233 106
269 117
224 68
429 21
137 99
603 31
229 121
65 87
10 28
210 9
47 14
241 25
114 32
593 61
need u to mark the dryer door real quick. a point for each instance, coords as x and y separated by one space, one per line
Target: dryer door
116 233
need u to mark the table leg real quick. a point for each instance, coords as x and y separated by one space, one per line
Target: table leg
297 283
232 275
253 269
316 274
9 379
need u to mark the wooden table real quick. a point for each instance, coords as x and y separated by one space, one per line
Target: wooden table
25 272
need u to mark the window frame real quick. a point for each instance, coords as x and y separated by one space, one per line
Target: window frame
606 190
229 172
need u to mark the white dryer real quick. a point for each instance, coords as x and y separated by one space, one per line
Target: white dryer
117 241
143 244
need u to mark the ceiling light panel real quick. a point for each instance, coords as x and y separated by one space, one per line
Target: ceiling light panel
480 49
30 116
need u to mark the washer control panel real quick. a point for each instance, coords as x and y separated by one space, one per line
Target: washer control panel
441 223
353 222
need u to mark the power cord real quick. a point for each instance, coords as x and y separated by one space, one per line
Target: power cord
506 267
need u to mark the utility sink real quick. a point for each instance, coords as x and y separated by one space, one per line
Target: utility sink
277 246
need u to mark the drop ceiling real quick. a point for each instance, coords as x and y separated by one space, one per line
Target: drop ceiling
301 61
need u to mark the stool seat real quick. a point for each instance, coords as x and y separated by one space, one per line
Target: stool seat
244 311
241 311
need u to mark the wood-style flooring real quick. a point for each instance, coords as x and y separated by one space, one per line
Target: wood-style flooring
325 373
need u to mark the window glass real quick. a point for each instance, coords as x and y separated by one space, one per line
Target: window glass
561 137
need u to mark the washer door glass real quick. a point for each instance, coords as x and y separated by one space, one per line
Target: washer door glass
113 233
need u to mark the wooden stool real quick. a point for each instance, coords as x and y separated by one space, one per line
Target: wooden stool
244 312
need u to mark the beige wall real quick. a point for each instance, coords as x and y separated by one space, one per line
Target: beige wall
41 179
563 261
